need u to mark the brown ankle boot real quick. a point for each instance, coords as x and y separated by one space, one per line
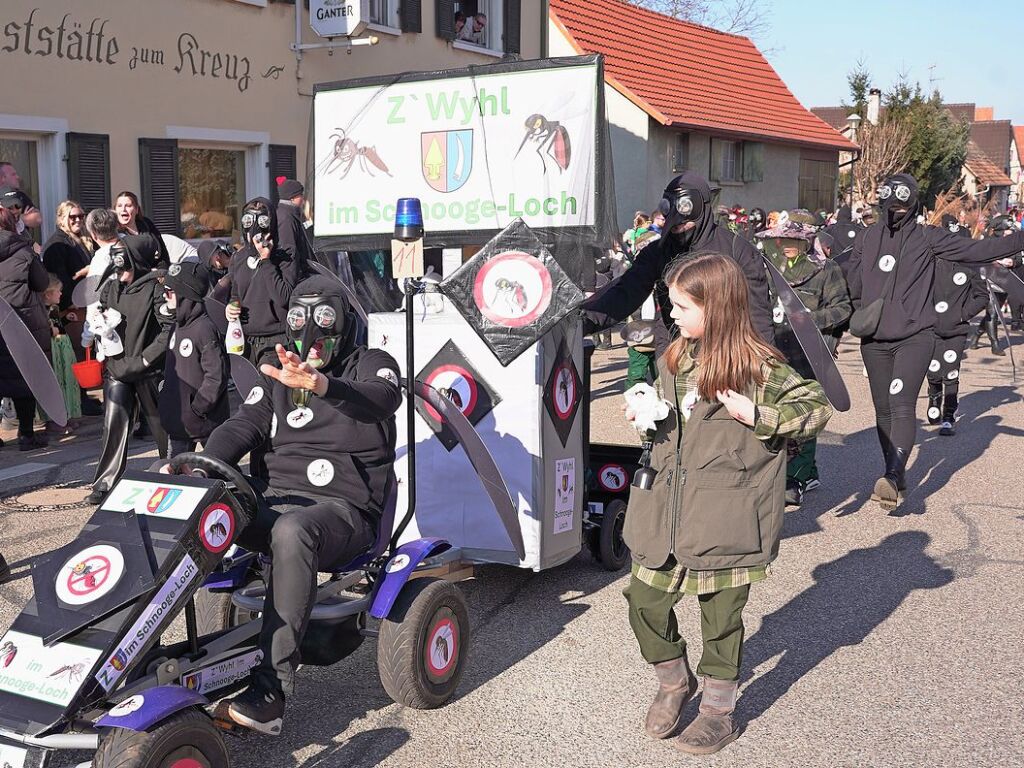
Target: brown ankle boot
676 686
713 728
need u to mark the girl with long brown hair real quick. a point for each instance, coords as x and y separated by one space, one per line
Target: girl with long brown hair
710 524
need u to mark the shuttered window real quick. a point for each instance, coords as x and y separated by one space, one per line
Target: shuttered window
513 22
411 16
158 174
444 13
89 169
282 163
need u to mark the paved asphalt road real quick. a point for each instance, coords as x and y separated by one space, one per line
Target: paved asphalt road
879 640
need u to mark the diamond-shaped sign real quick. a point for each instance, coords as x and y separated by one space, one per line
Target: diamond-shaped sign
451 374
562 392
512 291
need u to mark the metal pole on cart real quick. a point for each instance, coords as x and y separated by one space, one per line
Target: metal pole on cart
407 262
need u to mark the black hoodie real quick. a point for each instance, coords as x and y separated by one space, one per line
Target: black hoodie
293 234
193 400
843 234
146 324
206 251
624 295
911 249
263 287
343 448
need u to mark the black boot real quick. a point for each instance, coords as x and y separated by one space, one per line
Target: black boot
990 331
934 404
974 337
889 488
949 405
260 707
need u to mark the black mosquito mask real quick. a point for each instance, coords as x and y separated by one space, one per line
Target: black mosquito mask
255 221
898 198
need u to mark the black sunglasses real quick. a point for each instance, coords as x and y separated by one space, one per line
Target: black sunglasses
76 216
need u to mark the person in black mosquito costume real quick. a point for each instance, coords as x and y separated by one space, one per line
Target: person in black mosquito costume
962 294
132 376
999 226
689 229
327 410
843 234
891 272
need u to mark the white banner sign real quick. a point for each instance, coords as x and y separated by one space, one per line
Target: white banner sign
52 674
477 151
339 18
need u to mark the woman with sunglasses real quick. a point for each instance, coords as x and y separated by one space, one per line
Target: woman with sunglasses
891 274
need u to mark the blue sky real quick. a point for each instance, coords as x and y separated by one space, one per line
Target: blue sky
975 47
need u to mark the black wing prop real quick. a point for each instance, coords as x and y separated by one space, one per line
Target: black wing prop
32 363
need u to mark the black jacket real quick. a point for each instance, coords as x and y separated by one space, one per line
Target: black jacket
292 235
144 225
345 451
145 327
912 251
843 234
22 280
216 288
263 287
64 257
193 400
958 295
626 293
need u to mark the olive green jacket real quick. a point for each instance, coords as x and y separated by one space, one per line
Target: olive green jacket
719 494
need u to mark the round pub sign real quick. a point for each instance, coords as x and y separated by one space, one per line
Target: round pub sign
339 18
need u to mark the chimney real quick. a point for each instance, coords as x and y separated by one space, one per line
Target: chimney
874 105
984 113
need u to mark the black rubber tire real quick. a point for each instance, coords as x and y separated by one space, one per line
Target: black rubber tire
185 734
612 550
215 612
415 619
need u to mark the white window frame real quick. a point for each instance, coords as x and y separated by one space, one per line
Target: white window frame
255 144
494 10
257 3
392 14
50 135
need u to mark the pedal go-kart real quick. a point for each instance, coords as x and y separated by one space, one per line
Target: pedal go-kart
82 666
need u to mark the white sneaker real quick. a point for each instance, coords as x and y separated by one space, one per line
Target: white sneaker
7 409
810 485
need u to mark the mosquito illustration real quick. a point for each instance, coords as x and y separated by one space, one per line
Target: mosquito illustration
441 647
322 473
611 478
7 653
550 139
72 672
218 531
511 293
346 152
85 569
563 389
453 395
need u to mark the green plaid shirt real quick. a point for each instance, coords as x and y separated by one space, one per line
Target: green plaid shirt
789 407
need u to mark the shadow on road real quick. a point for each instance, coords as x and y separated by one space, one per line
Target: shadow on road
851 596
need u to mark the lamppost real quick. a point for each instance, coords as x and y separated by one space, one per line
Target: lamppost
853 121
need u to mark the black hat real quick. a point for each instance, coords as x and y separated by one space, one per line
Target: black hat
188 279
11 197
290 188
144 250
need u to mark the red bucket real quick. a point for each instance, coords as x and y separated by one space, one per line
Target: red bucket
89 372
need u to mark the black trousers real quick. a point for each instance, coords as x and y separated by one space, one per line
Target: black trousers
122 402
304 534
25 409
896 370
944 367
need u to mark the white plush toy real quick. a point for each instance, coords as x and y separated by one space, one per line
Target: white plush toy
643 400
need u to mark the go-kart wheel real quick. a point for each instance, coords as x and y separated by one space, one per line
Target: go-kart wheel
215 612
186 739
611 548
424 644
217 468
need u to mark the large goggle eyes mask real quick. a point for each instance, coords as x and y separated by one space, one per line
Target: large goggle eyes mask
253 219
324 316
901 191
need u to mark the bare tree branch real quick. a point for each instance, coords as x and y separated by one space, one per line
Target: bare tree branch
883 152
741 17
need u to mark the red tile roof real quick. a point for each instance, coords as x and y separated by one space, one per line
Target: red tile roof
987 172
1018 137
691 76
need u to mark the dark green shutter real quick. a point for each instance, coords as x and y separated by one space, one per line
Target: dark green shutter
89 170
513 22
411 13
158 176
282 163
445 14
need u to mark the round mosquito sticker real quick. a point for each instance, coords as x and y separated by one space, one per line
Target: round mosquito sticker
320 472
564 391
933 413
457 384
253 262
185 348
612 478
953 374
299 418
941 307
512 289
255 395
90 574
273 426
216 527
949 356
934 365
851 234
960 278
896 386
441 648
128 706
397 563
886 263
